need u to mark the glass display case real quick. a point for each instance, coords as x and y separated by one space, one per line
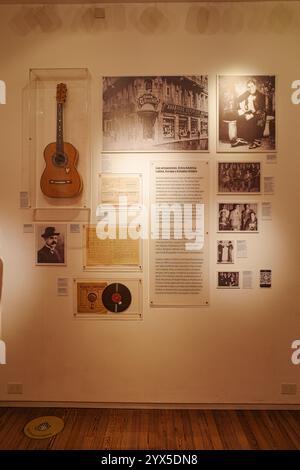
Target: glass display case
57 159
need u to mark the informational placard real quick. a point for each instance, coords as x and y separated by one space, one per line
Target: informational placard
269 184
28 228
113 187
271 158
106 164
241 249
110 252
24 200
179 237
75 228
247 280
62 286
266 211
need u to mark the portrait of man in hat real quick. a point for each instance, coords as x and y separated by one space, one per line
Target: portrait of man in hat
52 251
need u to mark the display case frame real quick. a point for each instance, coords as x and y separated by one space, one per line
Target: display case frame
134 312
42 118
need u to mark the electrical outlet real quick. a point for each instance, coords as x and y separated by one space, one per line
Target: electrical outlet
15 389
288 389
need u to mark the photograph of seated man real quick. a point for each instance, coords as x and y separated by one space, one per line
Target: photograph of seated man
246 113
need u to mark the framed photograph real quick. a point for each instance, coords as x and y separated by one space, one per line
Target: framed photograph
155 113
239 177
238 217
265 278
246 113
228 280
225 251
50 244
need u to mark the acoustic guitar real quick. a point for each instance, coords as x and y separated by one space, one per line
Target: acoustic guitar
60 178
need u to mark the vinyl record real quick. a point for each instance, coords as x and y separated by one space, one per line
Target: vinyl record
116 297
43 427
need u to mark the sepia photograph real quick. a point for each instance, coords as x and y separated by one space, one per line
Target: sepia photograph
228 280
246 109
265 278
50 244
225 251
237 217
166 113
239 177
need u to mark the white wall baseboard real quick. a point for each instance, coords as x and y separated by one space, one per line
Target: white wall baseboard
172 406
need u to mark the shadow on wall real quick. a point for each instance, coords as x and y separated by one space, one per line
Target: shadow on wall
49 18
206 19
43 18
152 20
235 19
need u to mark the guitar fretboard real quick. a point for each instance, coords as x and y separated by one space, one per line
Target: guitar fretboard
59 129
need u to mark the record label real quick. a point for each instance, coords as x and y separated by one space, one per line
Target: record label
89 297
116 297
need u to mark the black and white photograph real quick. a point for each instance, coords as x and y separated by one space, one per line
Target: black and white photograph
238 217
166 113
246 109
228 280
225 251
50 244
265 278
239 177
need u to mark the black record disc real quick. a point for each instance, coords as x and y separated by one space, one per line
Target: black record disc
116 297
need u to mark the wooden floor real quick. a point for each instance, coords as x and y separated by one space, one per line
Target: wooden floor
155 429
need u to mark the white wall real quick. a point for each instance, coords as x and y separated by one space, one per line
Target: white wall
238 349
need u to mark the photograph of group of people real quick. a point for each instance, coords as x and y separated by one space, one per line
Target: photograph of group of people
228 279
238 217
246 113
239 177
246 123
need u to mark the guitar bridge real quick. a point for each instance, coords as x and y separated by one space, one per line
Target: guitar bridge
60 181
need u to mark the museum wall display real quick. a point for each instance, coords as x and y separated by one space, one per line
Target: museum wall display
112 126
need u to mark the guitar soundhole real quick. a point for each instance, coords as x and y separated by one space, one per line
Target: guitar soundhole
59 159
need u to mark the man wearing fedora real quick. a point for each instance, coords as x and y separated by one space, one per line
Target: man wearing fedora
49 253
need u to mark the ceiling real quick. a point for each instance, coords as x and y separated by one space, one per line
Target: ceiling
6 2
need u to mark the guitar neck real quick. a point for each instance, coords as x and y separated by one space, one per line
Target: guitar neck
59 129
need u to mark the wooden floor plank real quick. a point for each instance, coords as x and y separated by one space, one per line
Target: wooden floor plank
160 429
249 433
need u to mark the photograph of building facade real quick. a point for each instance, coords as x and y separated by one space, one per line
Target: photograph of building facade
168 113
